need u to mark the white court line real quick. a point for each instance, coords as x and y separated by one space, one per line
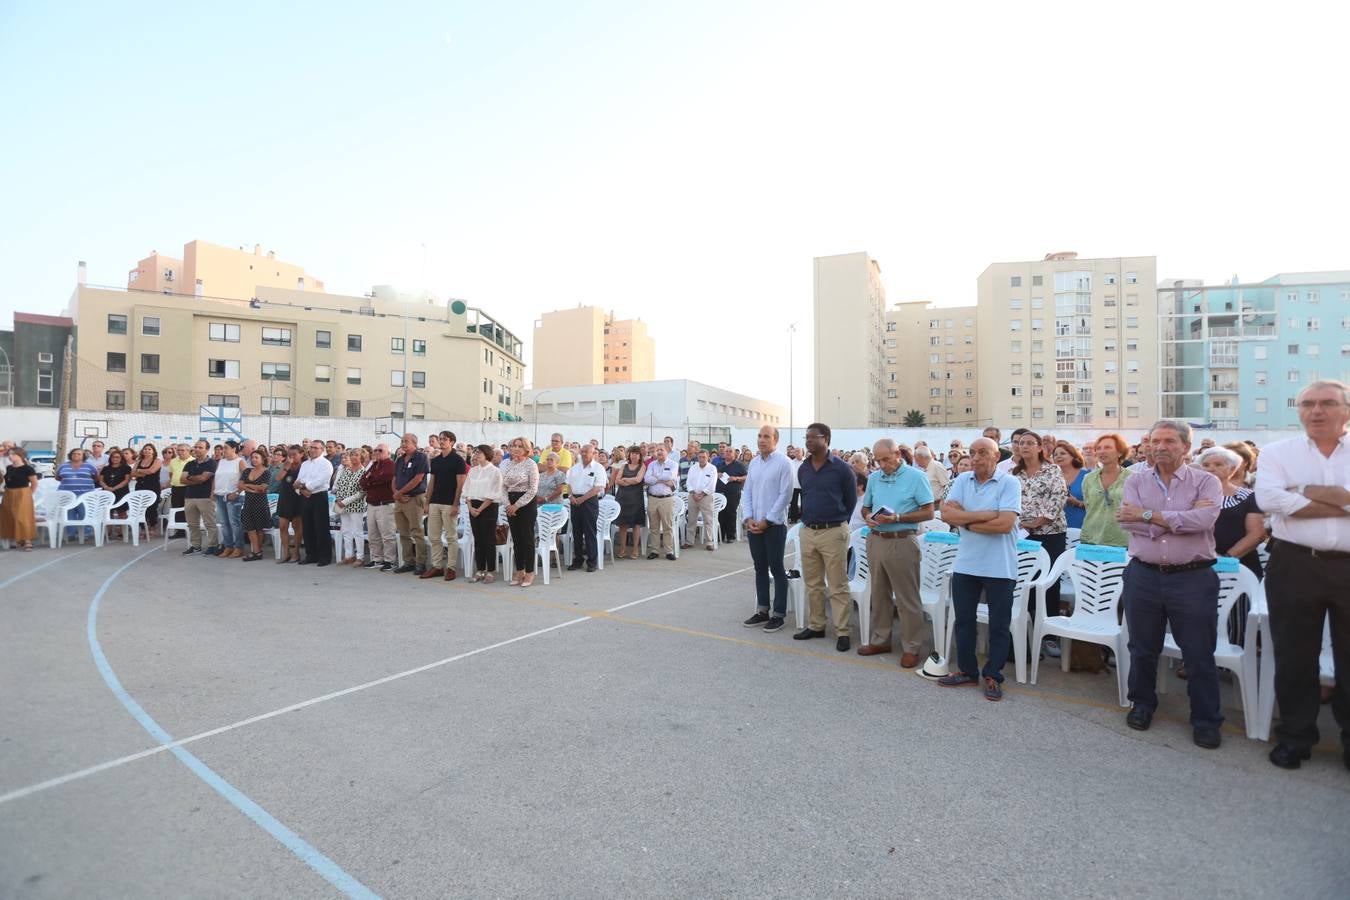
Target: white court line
50 783
33 571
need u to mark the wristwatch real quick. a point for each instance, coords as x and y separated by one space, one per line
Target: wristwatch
1147 515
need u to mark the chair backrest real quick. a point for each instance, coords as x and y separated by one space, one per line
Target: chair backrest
858 544
1096 584
1263 554
272 503
609 508
1032 563
681 505
933 525
1071 537
936 559
96 505
59 502
138 502
548 522
502 518
719 502
793 541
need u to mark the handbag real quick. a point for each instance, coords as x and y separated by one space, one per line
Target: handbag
503 534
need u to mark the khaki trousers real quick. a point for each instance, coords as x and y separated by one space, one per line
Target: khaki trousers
380 533
408 520
824 567
660 524
704 506
893 568
443 519
201 522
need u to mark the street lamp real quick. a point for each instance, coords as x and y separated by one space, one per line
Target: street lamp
792 330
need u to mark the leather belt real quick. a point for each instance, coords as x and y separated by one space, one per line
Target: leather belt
908 532
1309 551
1167 569
381 503
820 526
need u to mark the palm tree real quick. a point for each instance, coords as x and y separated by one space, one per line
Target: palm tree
914 419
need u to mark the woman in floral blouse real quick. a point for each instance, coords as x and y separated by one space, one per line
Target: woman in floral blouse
350 502
1043 496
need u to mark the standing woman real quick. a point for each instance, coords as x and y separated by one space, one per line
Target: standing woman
520 480
483 491
351 507
18 522
1043 496
256 517
289 526
628 490
1071 466
1103 489
116 477
146 474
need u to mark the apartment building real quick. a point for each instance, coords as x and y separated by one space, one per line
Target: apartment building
1236 355
629 351
1068 341
586 345
31 357
211 270
288 351
850 356
931 364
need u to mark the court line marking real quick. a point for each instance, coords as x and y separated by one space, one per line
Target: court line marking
33 571
303 850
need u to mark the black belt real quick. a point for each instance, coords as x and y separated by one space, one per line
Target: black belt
1179 567
382 503
1309 551
908 532
821 526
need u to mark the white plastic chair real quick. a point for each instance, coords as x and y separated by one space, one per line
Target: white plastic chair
706 533
604 530
464 539
96 505
1032 563
546 540
859 587
1071 538
680 520
137 505
796 586
937 551
1097 585
51 514
504 551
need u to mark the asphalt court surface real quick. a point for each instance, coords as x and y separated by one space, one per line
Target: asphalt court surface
529 743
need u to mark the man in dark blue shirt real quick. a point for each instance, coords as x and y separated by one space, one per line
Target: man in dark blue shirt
829 493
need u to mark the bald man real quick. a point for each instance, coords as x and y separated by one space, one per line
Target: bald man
381 531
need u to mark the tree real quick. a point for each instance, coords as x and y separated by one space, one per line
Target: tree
915 419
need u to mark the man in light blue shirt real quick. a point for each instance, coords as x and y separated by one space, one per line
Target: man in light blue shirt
764 503
984 504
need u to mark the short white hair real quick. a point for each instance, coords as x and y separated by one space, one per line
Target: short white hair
922 450
1223 453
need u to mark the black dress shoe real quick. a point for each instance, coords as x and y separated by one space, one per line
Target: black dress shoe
1206 736
1289 757
591 567
842 644
807 633
320 565
574 567
305 562
653 555
1139 718
670 556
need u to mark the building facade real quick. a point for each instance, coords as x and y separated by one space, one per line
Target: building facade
629 351
1068 341
850 354
287 351
1236 355
31 358
215 271
586 345
931 364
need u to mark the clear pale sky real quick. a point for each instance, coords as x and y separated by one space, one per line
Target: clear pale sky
678 162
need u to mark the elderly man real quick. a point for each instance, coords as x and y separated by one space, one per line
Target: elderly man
97 458
410 475
586 481
898 497
1304 482
984 504
661 478
764 503
829 493
935 471
316 474
565 458
701 482
381 532
1169 513
1004 454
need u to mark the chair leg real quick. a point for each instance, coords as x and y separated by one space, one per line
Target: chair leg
1123 671
1037 636
1065 647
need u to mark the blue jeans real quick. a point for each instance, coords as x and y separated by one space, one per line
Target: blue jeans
998 596
227 515
1189 602
766 551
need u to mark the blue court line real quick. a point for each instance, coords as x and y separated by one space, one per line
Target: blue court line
261 817
36 569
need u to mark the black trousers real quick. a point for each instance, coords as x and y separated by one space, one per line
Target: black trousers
484 528
522 532
1301 591
1188 602
1054 547
585 518
726 519
318 537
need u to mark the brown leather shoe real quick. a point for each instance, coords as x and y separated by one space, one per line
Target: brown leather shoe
909 660
432 573
449 574
873 649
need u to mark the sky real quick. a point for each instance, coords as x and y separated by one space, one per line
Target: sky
681 163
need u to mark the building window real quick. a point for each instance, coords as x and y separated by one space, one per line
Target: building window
1260 378
1132 366
1131 277
1015 303
150 326
1110 366
419 410
1314 324
1132 344
1131 299
1037 280
1037 391
1294 376
1014 412
891 377
276 406
1295 323
1015 325
1015 281
149 401
276 371
353 376
1132 387
419 347
222 368
276 337
890 394
149 363
1015 347
419 379
323 374
116 399
1110 278
1016 369
117 362
323 340
396 345
1259 351
354 343
1109 322
320 407
1131 321
45 392
1038 412
1259 405
1109 412
1314 350
353 409
222 331
226 400
117 324
890 326
1291 350
1017 390
1037 324
396 378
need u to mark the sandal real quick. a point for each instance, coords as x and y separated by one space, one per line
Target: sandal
489 578
27 546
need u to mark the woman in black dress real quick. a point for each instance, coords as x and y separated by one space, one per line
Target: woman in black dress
116 477
632 512
256 516
145 475
288 507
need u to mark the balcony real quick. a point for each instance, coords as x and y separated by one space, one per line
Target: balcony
1227 424
1223 387
1223 360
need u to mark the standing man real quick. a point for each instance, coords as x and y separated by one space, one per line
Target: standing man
447 472
97 458
199 507
565 459
1304 482
764 503
935 471
661 478
701 482
586 481
893 548
316 474
829 491
378 483
410 473
985 504
1169 513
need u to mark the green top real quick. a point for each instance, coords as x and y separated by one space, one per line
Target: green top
1099 522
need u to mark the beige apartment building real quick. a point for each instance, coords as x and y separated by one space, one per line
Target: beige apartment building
931 364
850 356
292 351
1067 341
585 345
214 271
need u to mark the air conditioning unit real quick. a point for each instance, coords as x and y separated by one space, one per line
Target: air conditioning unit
44 358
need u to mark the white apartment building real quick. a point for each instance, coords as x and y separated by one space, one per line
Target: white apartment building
850 356
931 364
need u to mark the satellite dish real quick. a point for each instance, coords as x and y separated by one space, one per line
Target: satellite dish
458 307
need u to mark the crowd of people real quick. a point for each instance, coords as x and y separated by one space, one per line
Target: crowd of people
1173 507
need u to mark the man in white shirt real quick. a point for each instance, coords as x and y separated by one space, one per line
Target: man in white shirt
97 457
936 471
316 473
586 481
702 486
661 478
1304 483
